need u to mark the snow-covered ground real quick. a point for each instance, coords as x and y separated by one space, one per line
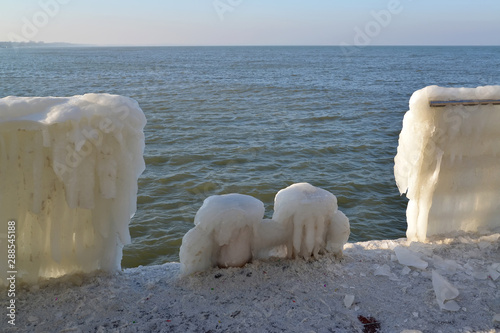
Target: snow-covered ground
282 295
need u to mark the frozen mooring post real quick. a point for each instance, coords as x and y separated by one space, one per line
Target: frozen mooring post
448 161
230 230
68 182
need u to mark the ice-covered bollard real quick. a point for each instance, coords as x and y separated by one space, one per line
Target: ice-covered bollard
312 220
68 181
448 161
229 231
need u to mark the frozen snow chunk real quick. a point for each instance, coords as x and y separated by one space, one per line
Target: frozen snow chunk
383 270
348 300
494 304
406 270
448 162
479 275
312 219
229 231
494 271
445 265
409 258
69 168
445 292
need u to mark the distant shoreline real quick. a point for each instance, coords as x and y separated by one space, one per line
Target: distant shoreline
33 44
12 45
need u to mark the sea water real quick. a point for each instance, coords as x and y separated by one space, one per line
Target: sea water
253 120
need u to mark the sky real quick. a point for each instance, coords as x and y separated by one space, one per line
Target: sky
252 22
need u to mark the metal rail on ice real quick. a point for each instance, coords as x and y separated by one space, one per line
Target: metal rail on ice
468 102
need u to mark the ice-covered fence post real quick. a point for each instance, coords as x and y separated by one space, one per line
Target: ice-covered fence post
448 161
68 179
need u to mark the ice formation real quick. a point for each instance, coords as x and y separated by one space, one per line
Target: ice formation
384 270
409 258
445 292
68 178
311 217
448 161
348 300
230 230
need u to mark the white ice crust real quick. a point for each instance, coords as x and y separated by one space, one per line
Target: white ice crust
448 162
230 230
68 179
224 233
310 214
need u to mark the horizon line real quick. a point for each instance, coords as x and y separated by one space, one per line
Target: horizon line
42 43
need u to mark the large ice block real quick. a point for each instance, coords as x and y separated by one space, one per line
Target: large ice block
448 161
68 181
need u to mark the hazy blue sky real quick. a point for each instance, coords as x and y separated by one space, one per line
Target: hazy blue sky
253 22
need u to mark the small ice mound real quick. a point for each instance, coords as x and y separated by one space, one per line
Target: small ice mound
311 218
224 233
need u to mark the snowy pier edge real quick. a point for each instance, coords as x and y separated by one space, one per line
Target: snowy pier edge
370 286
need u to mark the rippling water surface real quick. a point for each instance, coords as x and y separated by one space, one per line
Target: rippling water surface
254 120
